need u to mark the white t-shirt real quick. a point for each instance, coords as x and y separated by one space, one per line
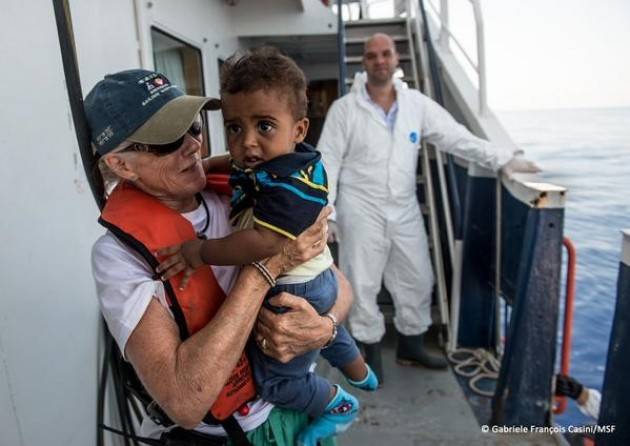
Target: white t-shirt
125 287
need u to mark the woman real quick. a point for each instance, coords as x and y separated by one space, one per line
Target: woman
186 344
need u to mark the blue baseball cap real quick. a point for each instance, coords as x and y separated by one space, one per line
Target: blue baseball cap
140 106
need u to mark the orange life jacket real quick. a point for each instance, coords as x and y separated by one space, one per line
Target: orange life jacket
146 225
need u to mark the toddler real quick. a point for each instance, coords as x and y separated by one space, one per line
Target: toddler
279 188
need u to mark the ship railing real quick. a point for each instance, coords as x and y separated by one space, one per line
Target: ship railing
508 238
446 36
615 406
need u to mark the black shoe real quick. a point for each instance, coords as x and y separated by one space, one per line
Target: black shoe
374 360
411 351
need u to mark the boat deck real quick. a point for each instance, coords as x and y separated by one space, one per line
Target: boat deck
417 406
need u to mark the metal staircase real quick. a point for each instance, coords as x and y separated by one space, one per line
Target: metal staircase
407 35
358 31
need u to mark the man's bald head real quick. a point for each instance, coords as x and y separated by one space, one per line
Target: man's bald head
379 39
380 59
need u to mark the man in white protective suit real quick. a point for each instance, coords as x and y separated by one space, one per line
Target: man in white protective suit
370 144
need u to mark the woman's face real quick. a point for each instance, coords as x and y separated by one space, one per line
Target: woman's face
173 179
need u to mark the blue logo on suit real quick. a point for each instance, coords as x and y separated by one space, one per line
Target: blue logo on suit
413 137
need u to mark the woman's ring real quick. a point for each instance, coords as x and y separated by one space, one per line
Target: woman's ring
263 344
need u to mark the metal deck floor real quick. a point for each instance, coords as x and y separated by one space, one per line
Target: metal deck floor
417 406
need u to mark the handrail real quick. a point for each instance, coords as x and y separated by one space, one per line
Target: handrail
67 46
446 35
439 98
341 49
567 333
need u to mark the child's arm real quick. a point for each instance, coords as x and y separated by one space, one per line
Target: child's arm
219 163
239 248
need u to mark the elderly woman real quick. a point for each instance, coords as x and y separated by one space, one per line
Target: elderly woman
186 344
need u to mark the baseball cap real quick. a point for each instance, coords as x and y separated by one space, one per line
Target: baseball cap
140 106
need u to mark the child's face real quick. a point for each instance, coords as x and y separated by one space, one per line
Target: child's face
260 126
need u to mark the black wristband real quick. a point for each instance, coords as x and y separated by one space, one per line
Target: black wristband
568 386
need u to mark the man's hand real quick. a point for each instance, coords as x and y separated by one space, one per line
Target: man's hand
185 257
293 333
333 232
520 165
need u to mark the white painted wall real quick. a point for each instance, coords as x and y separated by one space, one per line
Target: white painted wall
282 17
49 317
317 72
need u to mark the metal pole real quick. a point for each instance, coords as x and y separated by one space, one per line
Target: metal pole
481 58
341 49
443 39
75 95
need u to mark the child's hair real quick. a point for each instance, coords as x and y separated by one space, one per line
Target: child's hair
265 68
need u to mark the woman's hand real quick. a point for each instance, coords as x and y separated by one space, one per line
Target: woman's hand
297 331
307 245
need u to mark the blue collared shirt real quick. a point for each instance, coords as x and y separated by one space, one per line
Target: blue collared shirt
389 117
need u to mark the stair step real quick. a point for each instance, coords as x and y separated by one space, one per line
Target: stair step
359 59
408 80
358 40
375 22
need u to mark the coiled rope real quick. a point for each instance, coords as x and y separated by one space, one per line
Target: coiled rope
476 364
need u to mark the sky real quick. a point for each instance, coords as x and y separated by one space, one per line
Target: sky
546 54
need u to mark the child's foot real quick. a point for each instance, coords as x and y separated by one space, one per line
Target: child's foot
369 383
339 414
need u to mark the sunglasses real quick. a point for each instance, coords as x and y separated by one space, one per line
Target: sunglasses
166 149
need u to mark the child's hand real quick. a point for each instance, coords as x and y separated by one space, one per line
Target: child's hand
185 257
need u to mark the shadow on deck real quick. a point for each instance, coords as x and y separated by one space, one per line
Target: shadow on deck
417 406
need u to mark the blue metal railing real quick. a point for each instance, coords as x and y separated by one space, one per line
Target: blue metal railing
615 406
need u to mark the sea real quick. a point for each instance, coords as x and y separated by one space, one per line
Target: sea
588 152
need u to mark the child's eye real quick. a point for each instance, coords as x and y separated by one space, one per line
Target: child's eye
233 129
265 126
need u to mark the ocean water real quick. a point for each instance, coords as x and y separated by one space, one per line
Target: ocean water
588 152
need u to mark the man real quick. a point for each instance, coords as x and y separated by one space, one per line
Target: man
369 145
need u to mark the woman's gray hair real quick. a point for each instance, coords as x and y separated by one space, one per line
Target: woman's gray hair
110 179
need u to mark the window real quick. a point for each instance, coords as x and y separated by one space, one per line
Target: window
181 63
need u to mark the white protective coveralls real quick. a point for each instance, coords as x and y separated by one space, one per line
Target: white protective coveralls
372 185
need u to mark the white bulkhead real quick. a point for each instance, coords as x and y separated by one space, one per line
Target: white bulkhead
49 318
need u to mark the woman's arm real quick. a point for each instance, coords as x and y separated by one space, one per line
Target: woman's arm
186 377
300 329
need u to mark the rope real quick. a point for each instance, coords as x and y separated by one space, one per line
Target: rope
476 364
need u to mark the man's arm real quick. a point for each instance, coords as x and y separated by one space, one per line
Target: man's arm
440 129
300 329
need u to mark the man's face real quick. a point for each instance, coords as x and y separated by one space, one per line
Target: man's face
380 60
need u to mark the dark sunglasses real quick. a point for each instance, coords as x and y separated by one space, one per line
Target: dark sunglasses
166 149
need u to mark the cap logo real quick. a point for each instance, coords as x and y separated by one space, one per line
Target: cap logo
105 135
155 85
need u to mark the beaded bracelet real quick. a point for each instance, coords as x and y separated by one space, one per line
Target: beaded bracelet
265 273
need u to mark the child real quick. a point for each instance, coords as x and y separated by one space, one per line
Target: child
279 188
